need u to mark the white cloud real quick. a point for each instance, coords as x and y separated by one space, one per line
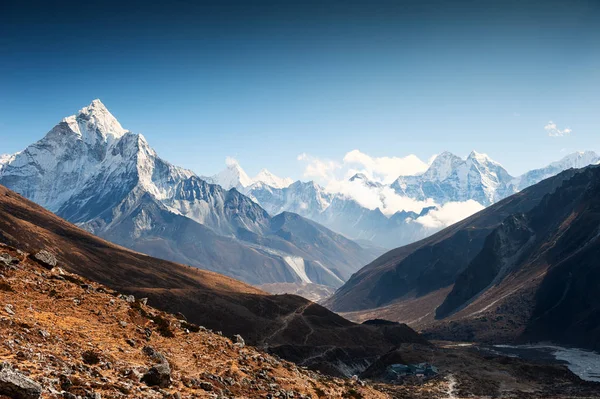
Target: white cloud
554 131
318 169
385 169
335 177
449 213
383 197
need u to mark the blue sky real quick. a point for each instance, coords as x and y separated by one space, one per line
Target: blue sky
268 81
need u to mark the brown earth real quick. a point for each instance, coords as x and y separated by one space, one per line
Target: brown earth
57 327
287 325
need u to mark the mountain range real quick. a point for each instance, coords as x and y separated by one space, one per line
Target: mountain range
91 171
267 230
473 183
112 322
523 270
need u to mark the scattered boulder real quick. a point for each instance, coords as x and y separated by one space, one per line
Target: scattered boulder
15 385
127 298
90 357
153 354
239 341
9 309
158 375
46 259
8 260
207 386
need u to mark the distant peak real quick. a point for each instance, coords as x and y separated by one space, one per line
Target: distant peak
359 176
481 158
268 178
233 175
475 154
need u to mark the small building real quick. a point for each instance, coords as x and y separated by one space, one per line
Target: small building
423 370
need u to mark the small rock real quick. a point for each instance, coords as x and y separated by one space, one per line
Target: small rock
8 260
9 309
207 386
158 375
239 341
152 353
44 333
15 385
46 259
123 323
65 382
130 342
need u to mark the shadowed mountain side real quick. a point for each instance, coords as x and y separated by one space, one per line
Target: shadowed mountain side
431 264
548 258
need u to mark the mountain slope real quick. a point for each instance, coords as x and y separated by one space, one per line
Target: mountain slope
92 172
549 258
449 181
70 337
285 324
431 264
524 269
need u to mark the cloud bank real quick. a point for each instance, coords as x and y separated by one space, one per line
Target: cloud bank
374 191
449 213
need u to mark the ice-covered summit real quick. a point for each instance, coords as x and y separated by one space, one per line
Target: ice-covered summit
268 178
234 176
94 123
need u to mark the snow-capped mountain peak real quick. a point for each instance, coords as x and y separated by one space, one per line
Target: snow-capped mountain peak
95 123
442 166
268 178
577 159
233 176
481 158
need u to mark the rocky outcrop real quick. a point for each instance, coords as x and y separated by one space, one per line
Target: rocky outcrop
15 385
158 375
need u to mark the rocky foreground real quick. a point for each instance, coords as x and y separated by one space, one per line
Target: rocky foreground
64 336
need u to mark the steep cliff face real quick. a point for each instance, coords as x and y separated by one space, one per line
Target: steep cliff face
536 278
502 251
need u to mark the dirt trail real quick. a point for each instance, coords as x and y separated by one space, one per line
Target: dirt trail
286 321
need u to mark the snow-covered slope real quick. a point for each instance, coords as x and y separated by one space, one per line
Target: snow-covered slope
450 179
233 176
268 178
450 182
92 172
575 160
